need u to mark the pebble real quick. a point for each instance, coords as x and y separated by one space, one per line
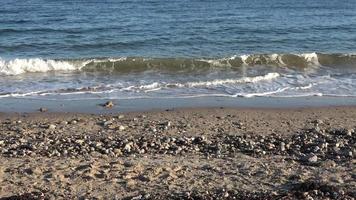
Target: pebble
107 123
282 146
105 141
318 121
350 153
316 149
43 109
350 131
121 128
117 151
312 158
317 129
127 147
79 141
108 104
51 126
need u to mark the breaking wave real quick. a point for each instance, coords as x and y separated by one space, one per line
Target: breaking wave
139 64
157 86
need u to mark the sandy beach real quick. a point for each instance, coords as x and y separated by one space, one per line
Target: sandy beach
201 153
170 100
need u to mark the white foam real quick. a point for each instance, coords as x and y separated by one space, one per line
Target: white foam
21 94
269 76
217 62
111 59
303 87
20 66
244 59
311 58
157 85
261 94
279 59
150 87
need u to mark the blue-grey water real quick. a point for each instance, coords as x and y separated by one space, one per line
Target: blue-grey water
76 49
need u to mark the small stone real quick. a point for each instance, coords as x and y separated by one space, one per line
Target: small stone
137 197
51 126
312 158
79 141
350 131
127 147
350 153
168 124
117 152
2 142
121 128
282 146
328 164
43 109
316 149
324 145
22 140
120 116
108 104
337 179
107 123
318 121
270 146
317 129
336 149
98 144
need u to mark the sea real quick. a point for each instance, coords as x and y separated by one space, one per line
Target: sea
137 49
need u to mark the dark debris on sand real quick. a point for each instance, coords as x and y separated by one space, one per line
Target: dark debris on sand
308 146
26 196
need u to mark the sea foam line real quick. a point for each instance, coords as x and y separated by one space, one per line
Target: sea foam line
157 86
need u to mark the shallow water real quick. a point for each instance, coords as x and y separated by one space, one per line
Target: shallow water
167 49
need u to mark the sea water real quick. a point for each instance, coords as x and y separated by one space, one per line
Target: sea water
91 49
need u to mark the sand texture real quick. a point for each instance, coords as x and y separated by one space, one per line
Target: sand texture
207 153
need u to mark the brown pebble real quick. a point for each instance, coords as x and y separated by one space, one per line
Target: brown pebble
43 109
109 104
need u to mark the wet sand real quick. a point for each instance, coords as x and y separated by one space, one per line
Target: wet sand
202 153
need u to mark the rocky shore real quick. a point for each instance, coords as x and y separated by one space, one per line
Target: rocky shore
220 153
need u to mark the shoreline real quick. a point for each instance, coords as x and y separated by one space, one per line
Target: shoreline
204 153
93 106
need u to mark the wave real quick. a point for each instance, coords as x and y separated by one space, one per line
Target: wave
139 64
201 84
20 66
145 88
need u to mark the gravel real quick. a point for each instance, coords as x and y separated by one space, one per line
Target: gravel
309 145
